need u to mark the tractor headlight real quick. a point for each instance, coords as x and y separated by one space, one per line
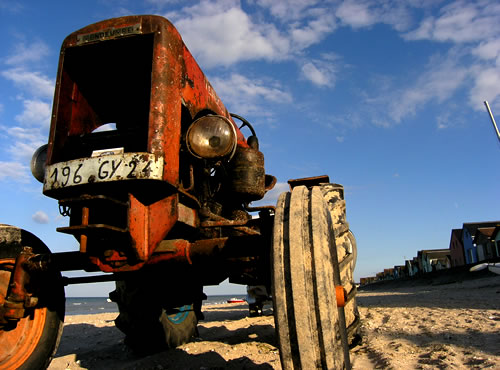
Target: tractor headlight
38 163
211 137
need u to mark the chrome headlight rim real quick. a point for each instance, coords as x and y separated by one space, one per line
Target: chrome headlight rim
39 163
227 154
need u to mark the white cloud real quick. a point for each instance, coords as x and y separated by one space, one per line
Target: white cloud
40 217
288 9
11 6
23 140
36 91
313 32
438 83
474 29
486 87
305 22
35 112
23 151
31 53
22 143
221 33
488 50
361 14
391 101
355 14
24 134
443 120
461 21
320 73
244 95
13 170
35 83
423 31
163 2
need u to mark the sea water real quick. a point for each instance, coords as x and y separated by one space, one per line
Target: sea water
95 305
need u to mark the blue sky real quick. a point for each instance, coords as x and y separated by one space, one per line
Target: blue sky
386 97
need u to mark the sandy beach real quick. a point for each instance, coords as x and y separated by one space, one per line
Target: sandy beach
426 325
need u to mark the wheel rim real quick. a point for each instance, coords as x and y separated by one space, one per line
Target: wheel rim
17 345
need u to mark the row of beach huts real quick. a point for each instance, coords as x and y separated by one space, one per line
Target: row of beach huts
475 242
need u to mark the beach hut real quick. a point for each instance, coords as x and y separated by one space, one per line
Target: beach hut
457 248
469 231
434 259
487 247
399 272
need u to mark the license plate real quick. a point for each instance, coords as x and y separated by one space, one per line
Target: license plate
115 167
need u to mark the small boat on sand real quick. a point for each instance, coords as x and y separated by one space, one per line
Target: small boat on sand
493 267
236 300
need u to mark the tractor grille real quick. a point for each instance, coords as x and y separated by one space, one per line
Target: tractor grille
108 82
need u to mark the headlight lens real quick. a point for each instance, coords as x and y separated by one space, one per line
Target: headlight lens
38 163
211 137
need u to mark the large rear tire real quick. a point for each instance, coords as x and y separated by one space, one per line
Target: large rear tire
346 254
311 330
31 342
149 325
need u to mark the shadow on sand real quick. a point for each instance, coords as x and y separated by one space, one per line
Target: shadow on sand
103 348
478 291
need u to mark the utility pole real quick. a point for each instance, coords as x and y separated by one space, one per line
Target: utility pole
495 127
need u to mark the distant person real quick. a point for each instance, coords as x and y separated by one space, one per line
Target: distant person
256 297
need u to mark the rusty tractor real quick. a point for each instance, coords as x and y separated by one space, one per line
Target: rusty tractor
157 181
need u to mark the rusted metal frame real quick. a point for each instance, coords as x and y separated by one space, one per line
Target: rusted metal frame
224 223
171 250
235 224
17 298
89 279
90 198
309 181
219 221
64 261
191 197
261 208
215 220
226 248
180 250
85 201
187 215
191 180
247 230
85 222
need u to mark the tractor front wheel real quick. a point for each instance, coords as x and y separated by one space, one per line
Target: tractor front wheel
311 330
31 342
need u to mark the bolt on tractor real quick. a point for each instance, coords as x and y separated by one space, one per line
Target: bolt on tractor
157 180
